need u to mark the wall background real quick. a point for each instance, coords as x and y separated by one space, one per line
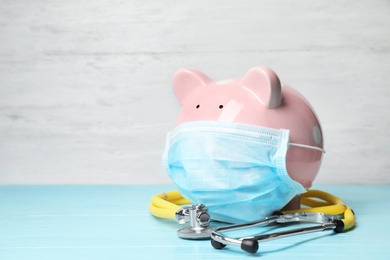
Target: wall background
85 86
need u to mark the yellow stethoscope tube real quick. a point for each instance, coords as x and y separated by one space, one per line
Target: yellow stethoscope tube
330 205
165 205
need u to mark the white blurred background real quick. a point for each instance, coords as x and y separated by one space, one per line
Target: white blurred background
86 94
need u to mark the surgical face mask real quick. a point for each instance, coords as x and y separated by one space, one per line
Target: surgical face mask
238 171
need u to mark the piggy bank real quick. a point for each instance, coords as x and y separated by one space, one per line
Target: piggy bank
258 98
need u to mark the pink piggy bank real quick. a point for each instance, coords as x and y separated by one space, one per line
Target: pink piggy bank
258 99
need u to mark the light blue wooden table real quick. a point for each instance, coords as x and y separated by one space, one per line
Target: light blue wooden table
113 222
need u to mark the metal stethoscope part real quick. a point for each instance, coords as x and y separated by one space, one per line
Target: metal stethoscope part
324 208
198 217
250 244
168 205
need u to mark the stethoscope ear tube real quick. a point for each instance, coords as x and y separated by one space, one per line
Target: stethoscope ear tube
251 244
337 217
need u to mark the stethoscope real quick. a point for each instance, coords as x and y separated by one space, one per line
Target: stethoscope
330 212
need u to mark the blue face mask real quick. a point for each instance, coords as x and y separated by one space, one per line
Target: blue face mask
238 171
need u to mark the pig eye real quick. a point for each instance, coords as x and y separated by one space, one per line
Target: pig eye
220 106
197 106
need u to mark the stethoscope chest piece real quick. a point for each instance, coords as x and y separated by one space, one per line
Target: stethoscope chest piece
196 234
198 217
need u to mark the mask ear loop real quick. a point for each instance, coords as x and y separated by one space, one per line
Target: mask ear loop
308 147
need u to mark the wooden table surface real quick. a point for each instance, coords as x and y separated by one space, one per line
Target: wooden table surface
113 222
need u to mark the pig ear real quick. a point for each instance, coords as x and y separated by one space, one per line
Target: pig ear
186 80
265 84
